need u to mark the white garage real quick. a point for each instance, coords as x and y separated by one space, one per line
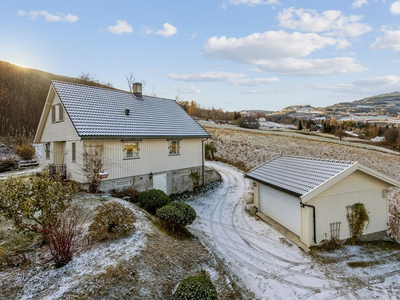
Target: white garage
310 196
282 207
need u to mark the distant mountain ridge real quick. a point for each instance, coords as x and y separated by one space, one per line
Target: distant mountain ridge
387 104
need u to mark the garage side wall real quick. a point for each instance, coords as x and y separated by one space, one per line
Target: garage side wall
331 205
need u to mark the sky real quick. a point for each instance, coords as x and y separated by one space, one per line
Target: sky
229 54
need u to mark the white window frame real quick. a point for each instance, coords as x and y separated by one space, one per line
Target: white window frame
170 143
73 152
125 143
57 113
47 152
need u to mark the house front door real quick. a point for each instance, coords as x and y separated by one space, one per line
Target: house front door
59 153
160 182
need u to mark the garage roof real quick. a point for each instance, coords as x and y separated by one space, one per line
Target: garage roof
100 112
298 175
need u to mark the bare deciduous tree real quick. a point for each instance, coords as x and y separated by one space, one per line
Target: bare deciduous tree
93 164
130 79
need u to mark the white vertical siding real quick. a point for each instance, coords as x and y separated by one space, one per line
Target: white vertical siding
281 207
74 169
61 131
153 157
256 190
307 233
330 206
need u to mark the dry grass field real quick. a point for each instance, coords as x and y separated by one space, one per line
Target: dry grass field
247 150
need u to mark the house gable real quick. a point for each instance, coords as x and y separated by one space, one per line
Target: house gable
355 182
365 176
53 132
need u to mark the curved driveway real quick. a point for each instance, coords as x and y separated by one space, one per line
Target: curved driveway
260 260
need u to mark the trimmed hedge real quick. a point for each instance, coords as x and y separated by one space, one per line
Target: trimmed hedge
177 214
153 199
196 288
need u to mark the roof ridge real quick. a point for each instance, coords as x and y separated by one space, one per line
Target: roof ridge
321 159
95 87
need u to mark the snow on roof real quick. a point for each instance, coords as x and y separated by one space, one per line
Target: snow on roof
100 112
298 175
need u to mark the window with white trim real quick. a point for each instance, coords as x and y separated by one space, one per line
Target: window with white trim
47 150
131 150
57 113
173 147
73 152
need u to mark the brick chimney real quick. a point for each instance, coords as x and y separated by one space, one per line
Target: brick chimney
137 89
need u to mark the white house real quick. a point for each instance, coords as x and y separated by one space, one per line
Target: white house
310 196
146 142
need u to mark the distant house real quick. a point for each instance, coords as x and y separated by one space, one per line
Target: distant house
310 196
261 119
146 142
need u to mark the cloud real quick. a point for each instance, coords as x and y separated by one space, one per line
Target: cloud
253 81
236 79
331 22
387 81
206 76
359 3
167 31
395 61
59 17
120 28
190 88
313 67
279 52
253 2
366 86
391 40
262 47
395 8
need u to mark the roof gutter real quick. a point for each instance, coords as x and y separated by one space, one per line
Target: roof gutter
315 230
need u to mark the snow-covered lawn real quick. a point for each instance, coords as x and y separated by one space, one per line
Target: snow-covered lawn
264 262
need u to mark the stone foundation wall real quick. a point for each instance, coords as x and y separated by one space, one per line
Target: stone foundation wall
178 181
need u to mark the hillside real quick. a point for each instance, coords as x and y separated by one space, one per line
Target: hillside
380 104
23 92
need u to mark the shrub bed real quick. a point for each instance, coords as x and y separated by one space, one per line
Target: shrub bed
112 219
153 199
25 151
129 192
176 215
196 288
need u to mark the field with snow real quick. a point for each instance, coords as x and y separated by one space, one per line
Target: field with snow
251 149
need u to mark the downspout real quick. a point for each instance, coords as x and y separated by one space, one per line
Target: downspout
202 158
315 231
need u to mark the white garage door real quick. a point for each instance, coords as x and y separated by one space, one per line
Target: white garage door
283 208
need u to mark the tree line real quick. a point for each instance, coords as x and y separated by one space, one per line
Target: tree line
23 93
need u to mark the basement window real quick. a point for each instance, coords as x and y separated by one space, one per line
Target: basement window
131 150
335 230
173 147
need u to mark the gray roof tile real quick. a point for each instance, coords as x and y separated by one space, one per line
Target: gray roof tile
297 175
100 112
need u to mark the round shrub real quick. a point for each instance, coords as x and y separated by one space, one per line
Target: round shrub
177 214
153 199
25 151
112 219
196 288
